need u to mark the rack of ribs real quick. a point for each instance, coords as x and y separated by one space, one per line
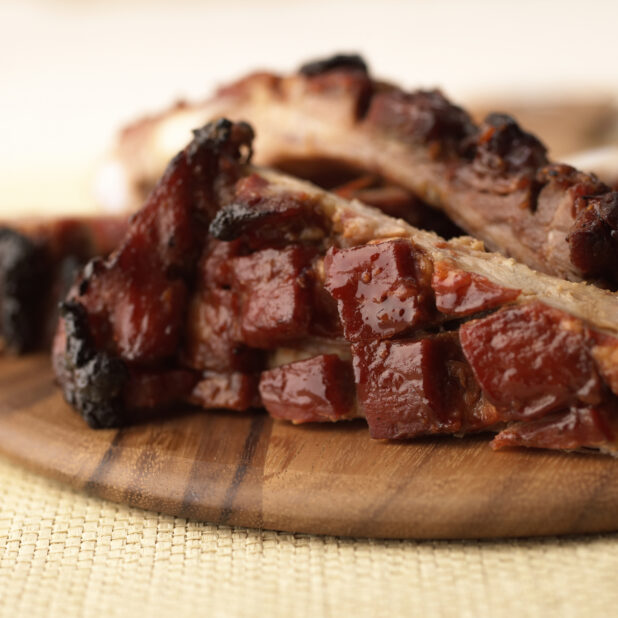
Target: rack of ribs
240 287
332 120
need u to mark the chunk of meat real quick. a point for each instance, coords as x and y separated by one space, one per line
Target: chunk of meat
213 338
274 289
381 290
461 293
532 359
408 388
141 294
424 118
312 390
571 430
216 267
593 240
126 314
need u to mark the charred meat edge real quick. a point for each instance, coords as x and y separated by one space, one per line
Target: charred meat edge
94 380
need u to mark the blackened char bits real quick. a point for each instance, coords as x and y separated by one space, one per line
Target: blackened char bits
347 62
382 290
24 278
267 219
316 389
502 147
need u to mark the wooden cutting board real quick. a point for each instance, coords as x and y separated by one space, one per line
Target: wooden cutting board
246 469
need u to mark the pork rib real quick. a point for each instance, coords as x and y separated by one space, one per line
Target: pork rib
494 180
238 287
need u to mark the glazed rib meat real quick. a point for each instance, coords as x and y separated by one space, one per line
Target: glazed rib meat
239 287
38 262
493 180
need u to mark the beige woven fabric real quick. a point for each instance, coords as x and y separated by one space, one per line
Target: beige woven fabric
65 554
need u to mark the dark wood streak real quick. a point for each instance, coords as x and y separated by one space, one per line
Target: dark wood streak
97 475
192 497
146 460
248 451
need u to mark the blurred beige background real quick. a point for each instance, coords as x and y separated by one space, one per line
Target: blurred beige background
73 72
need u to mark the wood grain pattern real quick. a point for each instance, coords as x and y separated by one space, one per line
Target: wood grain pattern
249 470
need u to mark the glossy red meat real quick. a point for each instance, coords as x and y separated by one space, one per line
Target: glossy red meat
570 430
381 290
138 294
317 389
174 315
216 267
461 293
213 339
138 314
274 289
408 388
531 359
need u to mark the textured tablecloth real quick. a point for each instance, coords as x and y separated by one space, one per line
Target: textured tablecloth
65 554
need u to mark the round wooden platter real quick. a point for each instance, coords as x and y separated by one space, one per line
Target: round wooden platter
246 469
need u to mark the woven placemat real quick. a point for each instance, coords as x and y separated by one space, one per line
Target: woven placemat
66 554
